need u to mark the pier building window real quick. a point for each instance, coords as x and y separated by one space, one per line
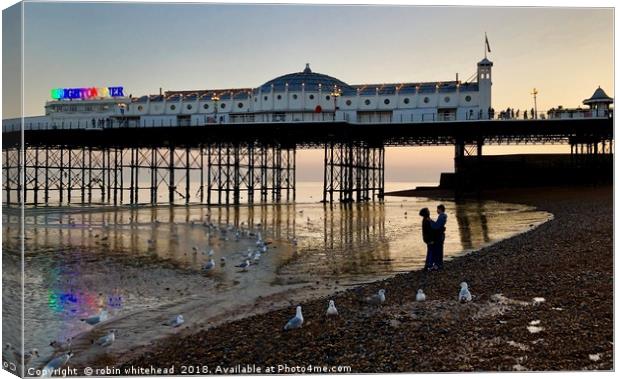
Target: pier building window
295 96
173 107
367 102
406 101
255 99
265 98
222 105
446 99
311 97
140 108
327 97
468 98
206 106
240 105
279 97
386 101
426 99
348 102
189 106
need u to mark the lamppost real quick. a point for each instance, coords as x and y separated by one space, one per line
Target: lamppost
335 94
215 98
534 93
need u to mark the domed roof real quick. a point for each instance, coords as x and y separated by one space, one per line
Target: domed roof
309 79
599 96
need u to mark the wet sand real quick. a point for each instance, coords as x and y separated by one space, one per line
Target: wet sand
543 300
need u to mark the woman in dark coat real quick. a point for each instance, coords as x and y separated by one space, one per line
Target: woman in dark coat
428 235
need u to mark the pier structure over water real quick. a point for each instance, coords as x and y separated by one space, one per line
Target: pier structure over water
237 163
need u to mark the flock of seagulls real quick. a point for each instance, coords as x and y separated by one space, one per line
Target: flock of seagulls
251 257
377 299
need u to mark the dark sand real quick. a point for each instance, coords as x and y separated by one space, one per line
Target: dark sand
567 261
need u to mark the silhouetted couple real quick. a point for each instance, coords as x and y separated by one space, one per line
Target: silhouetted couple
434 235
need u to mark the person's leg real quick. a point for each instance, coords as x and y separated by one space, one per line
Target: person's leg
429 257
439 259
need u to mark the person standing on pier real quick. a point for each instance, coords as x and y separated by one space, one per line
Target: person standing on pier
439 226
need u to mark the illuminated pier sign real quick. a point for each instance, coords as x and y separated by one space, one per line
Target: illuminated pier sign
86 93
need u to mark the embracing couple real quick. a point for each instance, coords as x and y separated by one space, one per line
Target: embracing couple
434 234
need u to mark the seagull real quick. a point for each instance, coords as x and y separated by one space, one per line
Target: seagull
464 295
177 321
93 320
331 309
107 339
244 266
420 296
223 260
377 299
27 355
296 322
61 346
210 253
55 363
257 256
210 265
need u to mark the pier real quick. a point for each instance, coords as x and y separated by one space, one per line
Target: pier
232 163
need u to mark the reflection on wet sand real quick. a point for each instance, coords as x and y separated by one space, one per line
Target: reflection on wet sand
144 265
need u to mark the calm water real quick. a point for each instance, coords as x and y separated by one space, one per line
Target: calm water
139 263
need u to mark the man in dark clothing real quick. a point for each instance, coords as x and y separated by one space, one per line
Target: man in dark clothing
439 226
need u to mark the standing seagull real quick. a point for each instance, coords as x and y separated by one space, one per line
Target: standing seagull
420 296
464 295
28 355
244 266
377 299
61 346
175 322
296 322
331 309
107 339
55 363
93 320
209 265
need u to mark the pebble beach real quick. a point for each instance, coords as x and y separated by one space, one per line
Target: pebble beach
543 300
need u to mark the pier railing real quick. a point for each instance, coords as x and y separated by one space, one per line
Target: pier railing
43 123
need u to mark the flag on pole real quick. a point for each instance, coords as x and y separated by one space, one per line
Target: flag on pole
486 41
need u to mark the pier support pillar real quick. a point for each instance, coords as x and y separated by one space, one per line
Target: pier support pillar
353 171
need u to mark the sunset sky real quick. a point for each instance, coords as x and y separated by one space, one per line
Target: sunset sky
565 53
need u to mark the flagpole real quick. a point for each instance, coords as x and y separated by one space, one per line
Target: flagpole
485 45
